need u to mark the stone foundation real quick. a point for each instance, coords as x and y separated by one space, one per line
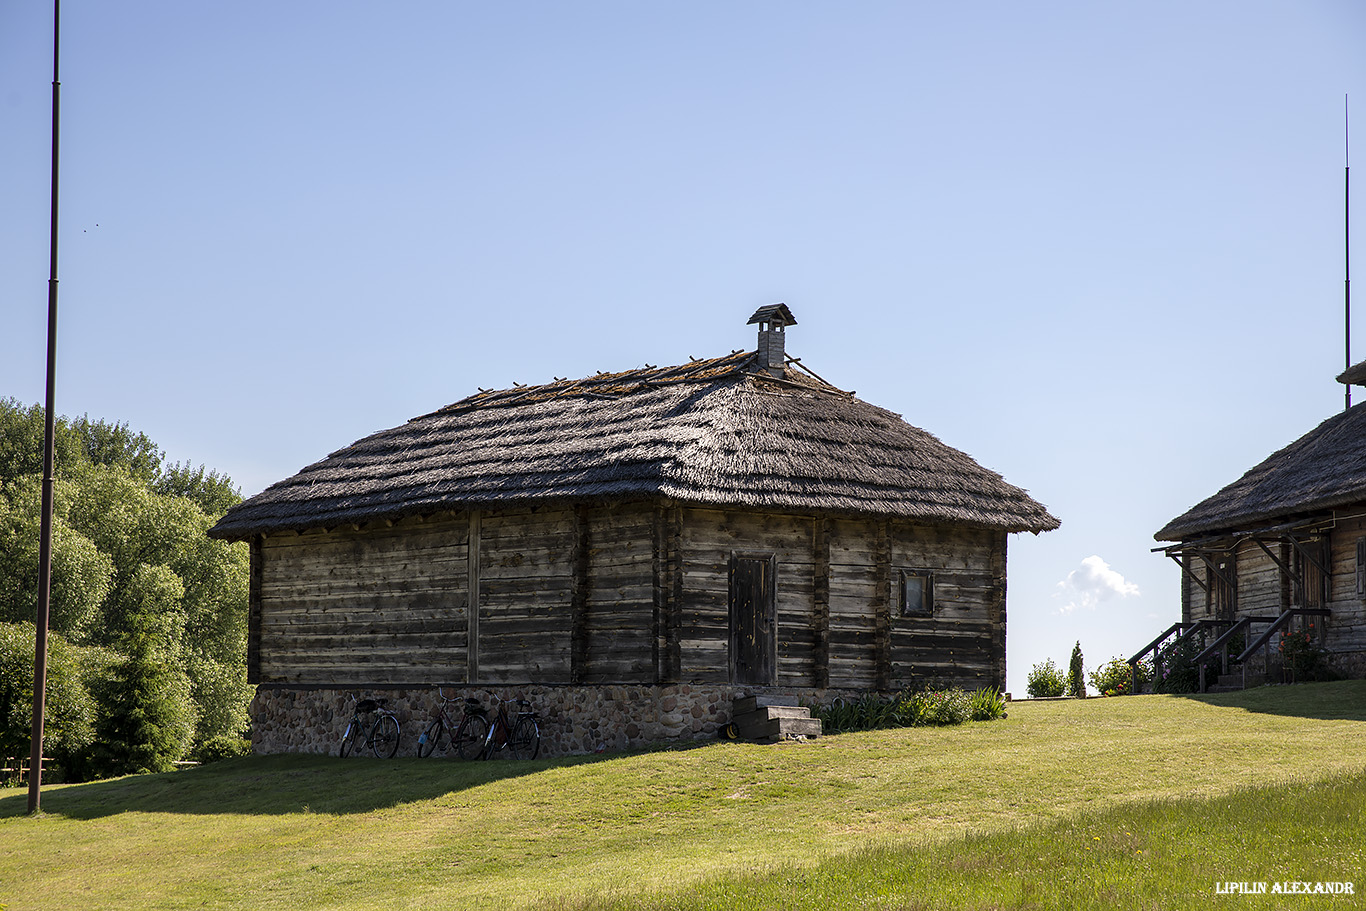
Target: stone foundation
1349 664
573 719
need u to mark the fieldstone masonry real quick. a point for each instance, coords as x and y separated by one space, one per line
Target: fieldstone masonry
574 719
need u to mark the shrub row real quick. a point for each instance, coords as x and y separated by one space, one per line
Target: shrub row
929 707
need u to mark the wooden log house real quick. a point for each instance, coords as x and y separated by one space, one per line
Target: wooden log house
733 522
1285 543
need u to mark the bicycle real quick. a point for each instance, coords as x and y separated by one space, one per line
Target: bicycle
521 738
384 733
466 738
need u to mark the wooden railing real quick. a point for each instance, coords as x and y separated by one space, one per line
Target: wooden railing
1186 630
15 768
1155 648
1220 646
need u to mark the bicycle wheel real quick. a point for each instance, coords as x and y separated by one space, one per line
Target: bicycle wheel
427 743
526 739
384 737
468 741
349 738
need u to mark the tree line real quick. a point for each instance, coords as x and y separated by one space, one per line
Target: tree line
147 651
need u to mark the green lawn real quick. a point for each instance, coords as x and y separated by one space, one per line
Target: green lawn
1040 810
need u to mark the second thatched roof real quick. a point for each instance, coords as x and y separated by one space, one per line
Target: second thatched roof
720 431
1322 470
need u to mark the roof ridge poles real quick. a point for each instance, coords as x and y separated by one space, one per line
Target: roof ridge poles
35 765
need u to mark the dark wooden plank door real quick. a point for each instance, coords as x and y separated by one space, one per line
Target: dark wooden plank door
753 626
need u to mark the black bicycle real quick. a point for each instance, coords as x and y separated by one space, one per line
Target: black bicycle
383 734
520 737
466 738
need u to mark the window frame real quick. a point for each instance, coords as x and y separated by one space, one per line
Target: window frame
926 589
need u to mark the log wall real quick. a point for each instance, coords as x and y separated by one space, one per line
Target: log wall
359 606
622 593
963 641
619 614
526 583
708 539
1347 626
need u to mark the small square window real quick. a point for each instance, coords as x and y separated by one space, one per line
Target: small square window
916 590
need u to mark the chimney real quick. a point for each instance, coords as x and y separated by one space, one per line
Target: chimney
773 320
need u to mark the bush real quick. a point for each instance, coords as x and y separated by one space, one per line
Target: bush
1076 683
935 708
1114 678
222 747
1302 658
1046 680
987 705
868 712
941 706
1179 671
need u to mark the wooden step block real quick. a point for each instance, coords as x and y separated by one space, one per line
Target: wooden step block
746 704
755 726
788 728
777 711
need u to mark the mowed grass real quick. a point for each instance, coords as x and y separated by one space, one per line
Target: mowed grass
1262 785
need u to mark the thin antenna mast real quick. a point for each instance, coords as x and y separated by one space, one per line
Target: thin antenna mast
35 763
1347 240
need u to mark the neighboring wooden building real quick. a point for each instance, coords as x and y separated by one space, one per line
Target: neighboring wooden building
1288 535
733 522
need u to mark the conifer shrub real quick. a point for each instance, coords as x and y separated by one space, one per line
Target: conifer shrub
1076 682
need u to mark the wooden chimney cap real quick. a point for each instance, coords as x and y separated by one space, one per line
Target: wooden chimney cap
773 313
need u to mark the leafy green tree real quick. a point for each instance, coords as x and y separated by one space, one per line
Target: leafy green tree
81 576
76 443
133 571
213 492
68 728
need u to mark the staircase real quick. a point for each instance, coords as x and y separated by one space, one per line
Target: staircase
770 719
1232 682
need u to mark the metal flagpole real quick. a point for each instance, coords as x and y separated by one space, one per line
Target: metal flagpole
35 765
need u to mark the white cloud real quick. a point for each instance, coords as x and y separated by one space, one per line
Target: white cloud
1091 583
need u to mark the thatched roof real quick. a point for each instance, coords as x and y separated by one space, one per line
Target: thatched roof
711 432
1354 375
1324 469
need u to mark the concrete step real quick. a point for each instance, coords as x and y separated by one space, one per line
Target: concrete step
746 704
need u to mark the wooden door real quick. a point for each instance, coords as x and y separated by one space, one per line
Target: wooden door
753 621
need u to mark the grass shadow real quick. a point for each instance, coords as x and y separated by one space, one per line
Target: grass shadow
280 784
1340 700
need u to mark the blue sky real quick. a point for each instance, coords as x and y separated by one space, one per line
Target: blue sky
1096 246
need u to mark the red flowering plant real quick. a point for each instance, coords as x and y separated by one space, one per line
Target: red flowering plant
1302 658
1115 678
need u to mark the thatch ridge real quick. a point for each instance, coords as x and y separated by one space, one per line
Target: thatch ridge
710 432
1324 469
